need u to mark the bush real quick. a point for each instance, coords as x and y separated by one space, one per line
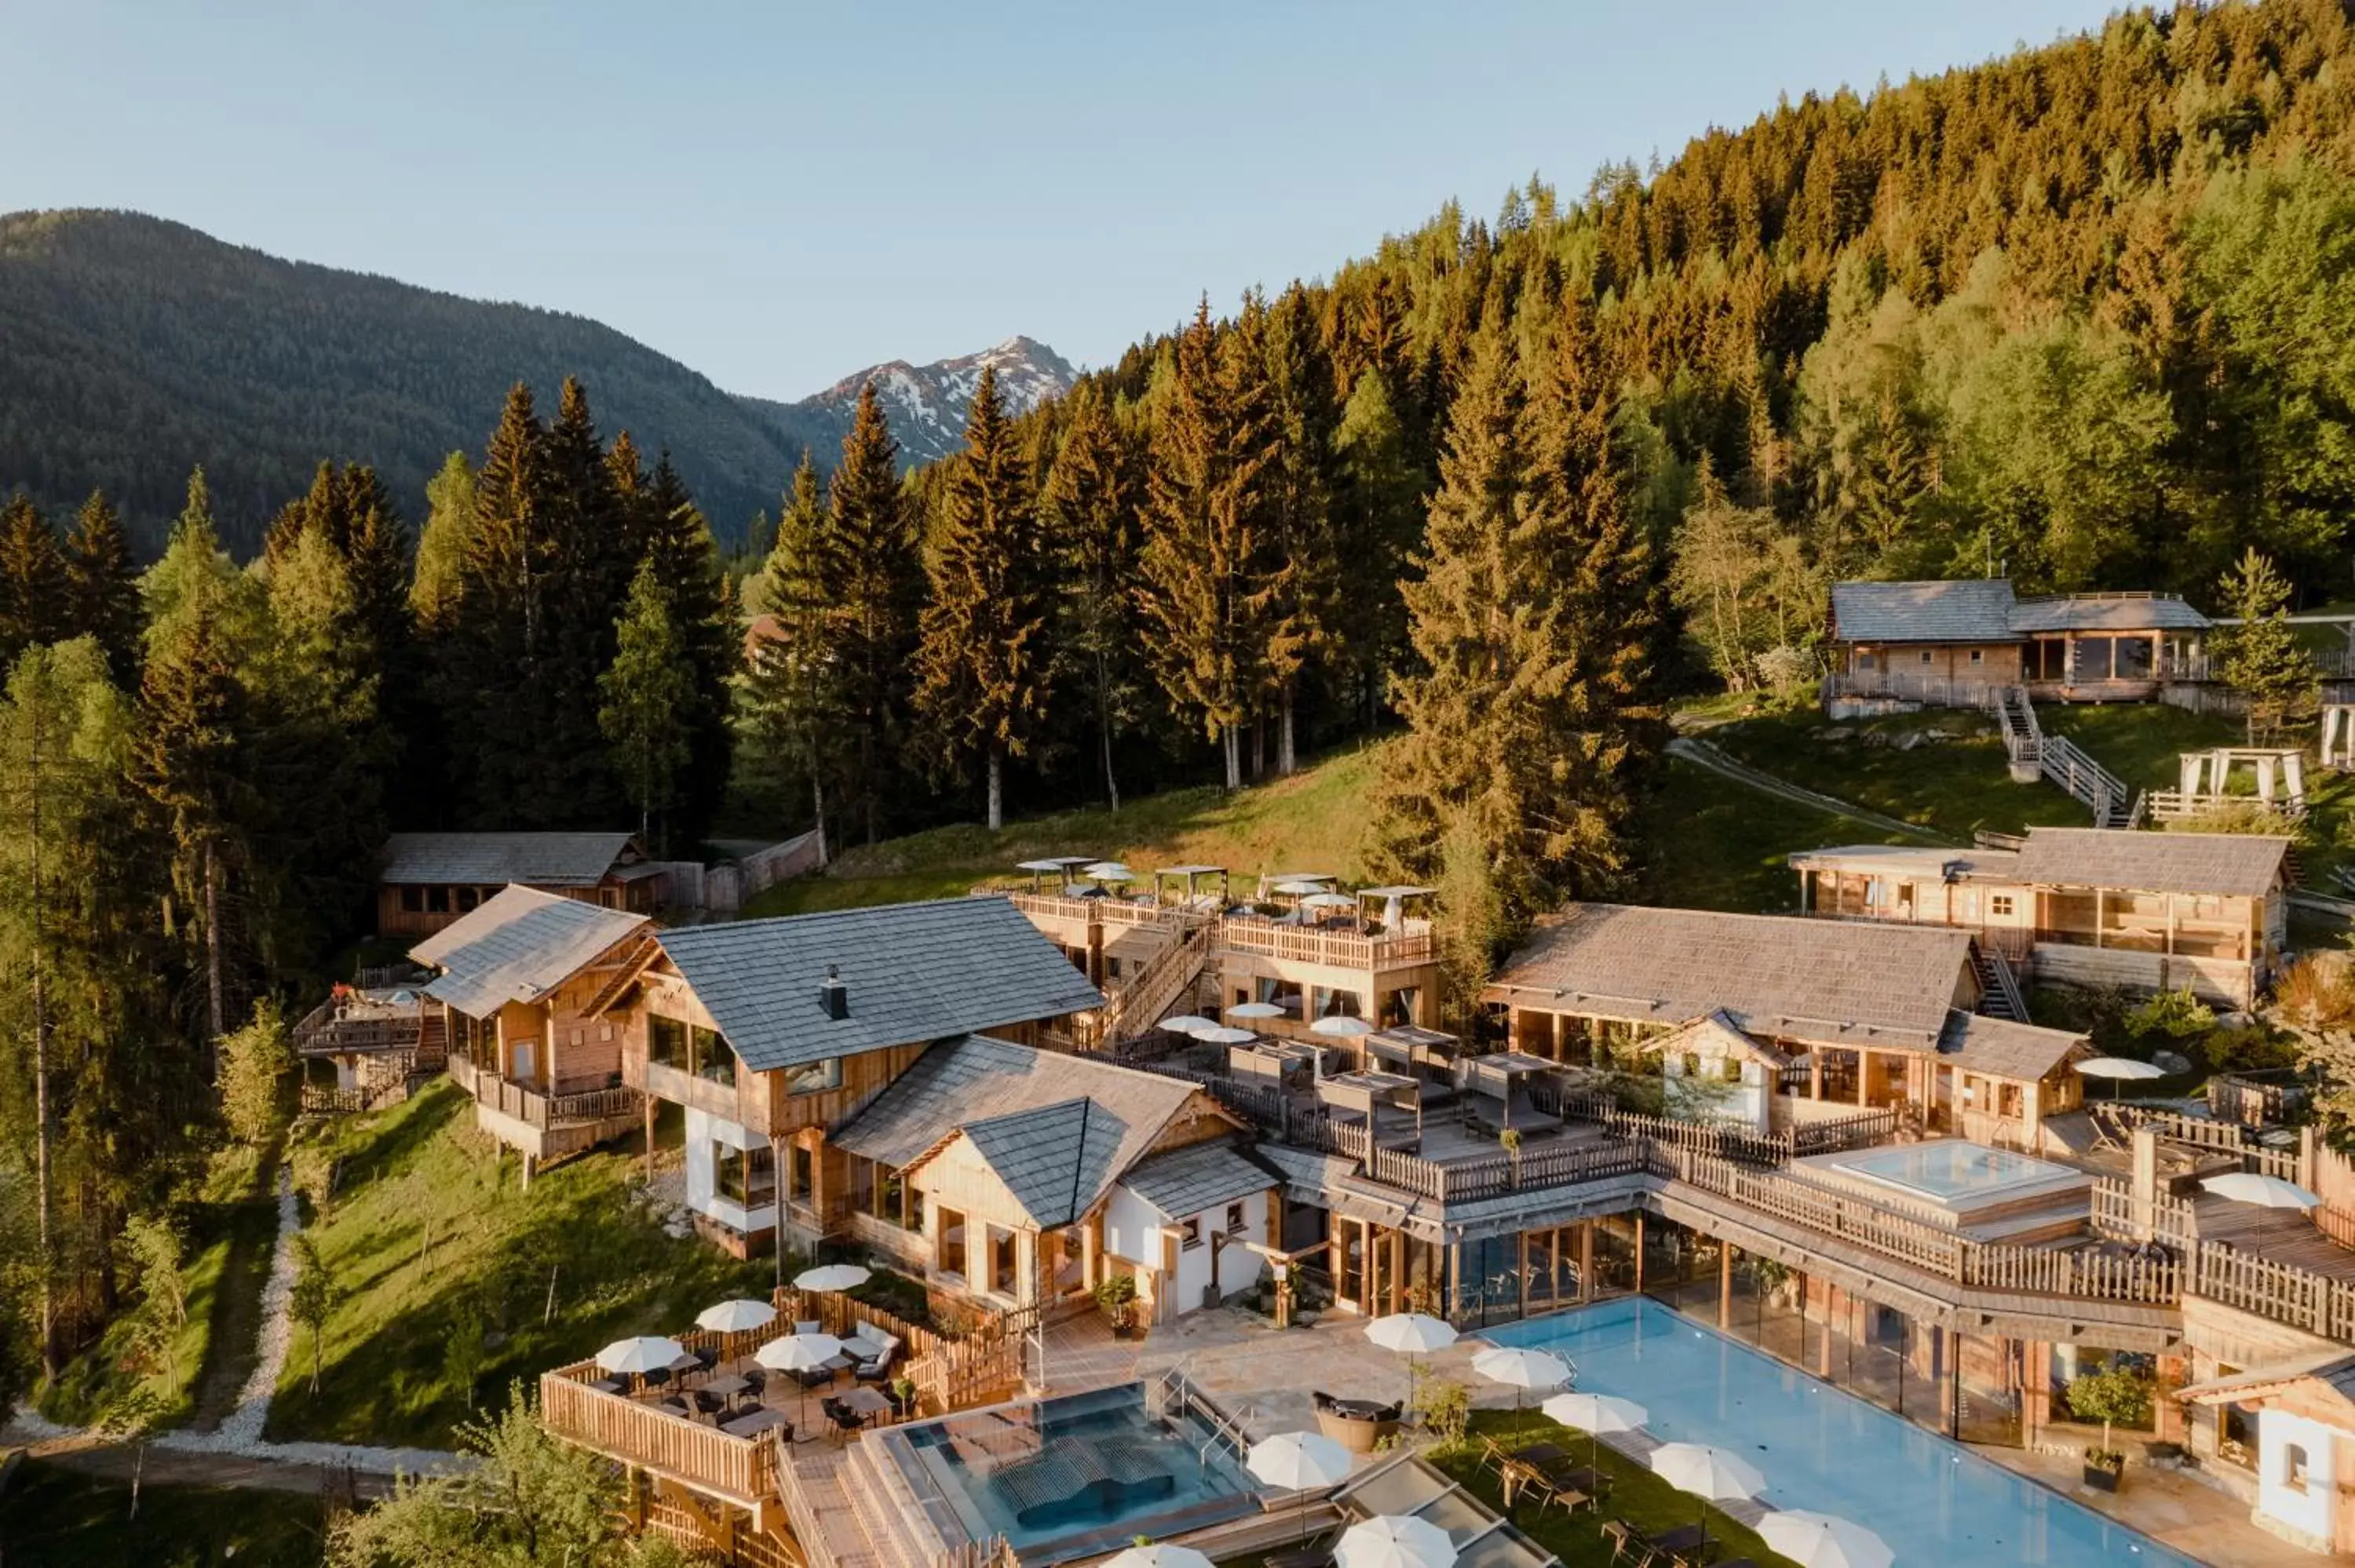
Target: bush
1445 1407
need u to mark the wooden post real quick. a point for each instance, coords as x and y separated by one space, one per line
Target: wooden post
1586 1260
1816 1073
1863 1077
1524 1240
777 1202
1725 1285
1456 1279
1639 1252
650 1103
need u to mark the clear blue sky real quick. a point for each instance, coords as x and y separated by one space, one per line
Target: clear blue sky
781 193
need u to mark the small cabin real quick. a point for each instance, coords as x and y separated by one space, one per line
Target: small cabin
1955 643
429 880
2285 1430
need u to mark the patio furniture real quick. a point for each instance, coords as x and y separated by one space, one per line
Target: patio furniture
1301 1557
846 1420
807 1326
608 1385
729 1385
706 1404
759 1419
1681 1543
872 1403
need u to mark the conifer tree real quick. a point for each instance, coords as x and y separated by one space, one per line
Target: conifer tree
1377 518
2261 659
1300 543
594 556
1091 498
678 540
103 586
648 694
33 603
874 579
442 545
794 689
984 656
1209 590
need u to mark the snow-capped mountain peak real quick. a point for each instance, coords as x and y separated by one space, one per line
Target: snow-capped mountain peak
925 404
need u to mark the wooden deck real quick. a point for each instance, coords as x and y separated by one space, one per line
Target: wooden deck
2276 1234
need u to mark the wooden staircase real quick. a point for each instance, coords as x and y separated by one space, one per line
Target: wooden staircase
1145 1001
2063 762
1999 993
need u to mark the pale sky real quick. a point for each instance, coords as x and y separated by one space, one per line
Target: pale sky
779 193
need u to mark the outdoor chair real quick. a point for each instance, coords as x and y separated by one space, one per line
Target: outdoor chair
1493 1455
658 1377
708 1405
807 1326
815 1377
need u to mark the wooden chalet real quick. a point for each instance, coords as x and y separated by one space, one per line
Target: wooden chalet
2147 911
1773 1021
516 980
1959 642
2287 1430
429 880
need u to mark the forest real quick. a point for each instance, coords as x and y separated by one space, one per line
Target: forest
1504 488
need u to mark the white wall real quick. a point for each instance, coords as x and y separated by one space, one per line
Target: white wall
703 1130
1133 1232
1131 1229
2306 1512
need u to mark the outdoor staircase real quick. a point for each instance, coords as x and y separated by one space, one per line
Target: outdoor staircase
1146 1000
1999 993
2063 762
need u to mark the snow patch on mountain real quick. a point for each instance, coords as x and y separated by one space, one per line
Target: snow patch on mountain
925 404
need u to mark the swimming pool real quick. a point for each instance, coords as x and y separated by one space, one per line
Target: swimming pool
1936 1502
1072 1476
1951 1168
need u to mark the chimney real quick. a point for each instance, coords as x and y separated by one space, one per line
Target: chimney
833 995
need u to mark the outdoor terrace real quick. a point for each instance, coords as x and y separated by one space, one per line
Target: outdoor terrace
544 1125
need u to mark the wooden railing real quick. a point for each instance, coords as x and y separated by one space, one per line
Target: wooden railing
1090 911
1140 1004
2116 1216
740 1467
538 1109
949 1372
1310 945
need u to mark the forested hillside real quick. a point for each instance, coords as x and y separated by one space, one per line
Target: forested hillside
133 350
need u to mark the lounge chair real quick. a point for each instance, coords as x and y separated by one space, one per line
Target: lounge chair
873 1349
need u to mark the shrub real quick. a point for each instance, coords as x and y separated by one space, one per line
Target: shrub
1444 1406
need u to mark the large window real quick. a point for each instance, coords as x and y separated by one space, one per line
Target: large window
665 1041
815 1078
713 1059
1002 1272
746 1176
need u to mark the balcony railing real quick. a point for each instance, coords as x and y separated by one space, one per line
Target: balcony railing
1313 945
534 1108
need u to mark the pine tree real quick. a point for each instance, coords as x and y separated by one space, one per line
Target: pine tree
2260 659
984 656
103 586
1092 506
648 693
678 540
874 579
1208 591
1300 540
794 692
1378 516
595 551
32 602
442 546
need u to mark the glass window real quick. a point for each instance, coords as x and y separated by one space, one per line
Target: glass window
1234 1219
466 899
1001 1261
1978 655
713 1059
2000 903
665 1041
746 1176
2132 659
437 901
800 1174
815 1077
412 900
951 1251
1191 1230
1925 656
2294 1463
2094 657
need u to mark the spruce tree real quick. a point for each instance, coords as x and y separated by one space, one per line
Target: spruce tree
795 696
677 539
648 698
1091 498
103 586
595 557
984 656
1300 540
32 602
441 546
874 579
2261 660
1377 519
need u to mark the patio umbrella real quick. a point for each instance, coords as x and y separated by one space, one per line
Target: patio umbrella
1709 1473
1299 889
1823 1541
1596 1414
1394 1541
799 1353
1220 1034
2117 1069
1157 1557
1299 1461
1328 901
1188 1023
741 1316
638 1356
833 1277
1107 871
1254 1010
1340 1026
1411 1334
1521 1370
2261 1191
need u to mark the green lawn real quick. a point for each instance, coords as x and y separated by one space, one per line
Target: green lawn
514 1281
1708 843
1637 1495
2139 742
51 1516
1314 821
1955 783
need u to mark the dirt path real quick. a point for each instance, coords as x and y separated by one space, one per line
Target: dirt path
237 1312
1702 754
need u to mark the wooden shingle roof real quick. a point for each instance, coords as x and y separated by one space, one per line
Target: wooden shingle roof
1969 610
2232 864
517 947
2001 1048
537 860
1832 982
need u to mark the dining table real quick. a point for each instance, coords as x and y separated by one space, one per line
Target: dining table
754 1423
728 1385
871 1402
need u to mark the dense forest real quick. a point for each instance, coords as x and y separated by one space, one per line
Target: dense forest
2085 315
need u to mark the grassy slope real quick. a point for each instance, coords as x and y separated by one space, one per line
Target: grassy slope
386 1375
52 1516
1708 843
1314 820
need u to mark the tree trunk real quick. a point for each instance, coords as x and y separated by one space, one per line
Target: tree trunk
1259 746
215 1008
1104 730
1230 744
817 809
1287 756
997 788
51 1359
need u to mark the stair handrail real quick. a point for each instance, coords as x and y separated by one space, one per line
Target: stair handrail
2007 983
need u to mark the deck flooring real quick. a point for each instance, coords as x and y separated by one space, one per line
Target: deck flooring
822 1467
2277 1235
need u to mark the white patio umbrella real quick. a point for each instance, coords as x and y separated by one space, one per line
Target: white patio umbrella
1254 1010
1411 1334
738 1317
1220 1034
799 1353
1824 1541
2118 1069
1394 1541
1709 1473
1328 901
1188 1023
1107 871
1596 1414
1521 1370
1299 1461
1298 889
1341 1026
640 1355
832 1277
2261 1191
1158 1556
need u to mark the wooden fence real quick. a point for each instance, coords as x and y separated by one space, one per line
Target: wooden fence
536 1109
668 1443
1340 949
949 1370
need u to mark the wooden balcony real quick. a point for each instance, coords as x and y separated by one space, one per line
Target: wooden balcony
1333 949
544 1125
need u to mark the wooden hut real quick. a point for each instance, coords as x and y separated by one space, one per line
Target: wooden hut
429 880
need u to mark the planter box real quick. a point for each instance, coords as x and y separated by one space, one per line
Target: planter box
2102 1478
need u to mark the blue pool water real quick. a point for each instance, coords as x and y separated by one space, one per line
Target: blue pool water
1934 1501
1951 1169
1070 1477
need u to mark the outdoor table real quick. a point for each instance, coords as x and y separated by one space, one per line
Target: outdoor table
864 1401
607 1385
1544 1454
756 1423
1582 1480
728 1385
1680 1541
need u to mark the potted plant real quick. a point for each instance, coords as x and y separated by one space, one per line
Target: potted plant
2119 1394
1115 1297
903 1395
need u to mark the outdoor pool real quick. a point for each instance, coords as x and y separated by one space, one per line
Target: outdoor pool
1935 1501
1072 1476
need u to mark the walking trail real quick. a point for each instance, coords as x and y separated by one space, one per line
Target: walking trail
235 1454
1702 754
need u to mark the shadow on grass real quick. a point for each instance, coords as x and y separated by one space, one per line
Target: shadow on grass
235 1310
53 1516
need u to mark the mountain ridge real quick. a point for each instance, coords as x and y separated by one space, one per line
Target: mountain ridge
926 403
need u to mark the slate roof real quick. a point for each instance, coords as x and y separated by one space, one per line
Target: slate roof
1199 1177
1832 982
1920 862
2100 612
2232 864
537 860
913 972
1971 610
2334 1370
516 946
997 1092
2004 1049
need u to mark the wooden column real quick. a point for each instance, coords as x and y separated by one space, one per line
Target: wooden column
1455 1278
1724 1283
1524 1241
1586 1260
1639 1252
777 1173
1863 1077
1815 1073
651 1104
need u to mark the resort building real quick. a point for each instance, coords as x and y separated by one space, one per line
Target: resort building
2290 1428
1960 642
2147 911
428 879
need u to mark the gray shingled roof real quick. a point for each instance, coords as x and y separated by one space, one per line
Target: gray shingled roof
1055 1160
1833 982
2232 864
2004 1049
1920 862
1197 1177
537 860
1972 609
2101 613
991 1089
913 971
517 947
